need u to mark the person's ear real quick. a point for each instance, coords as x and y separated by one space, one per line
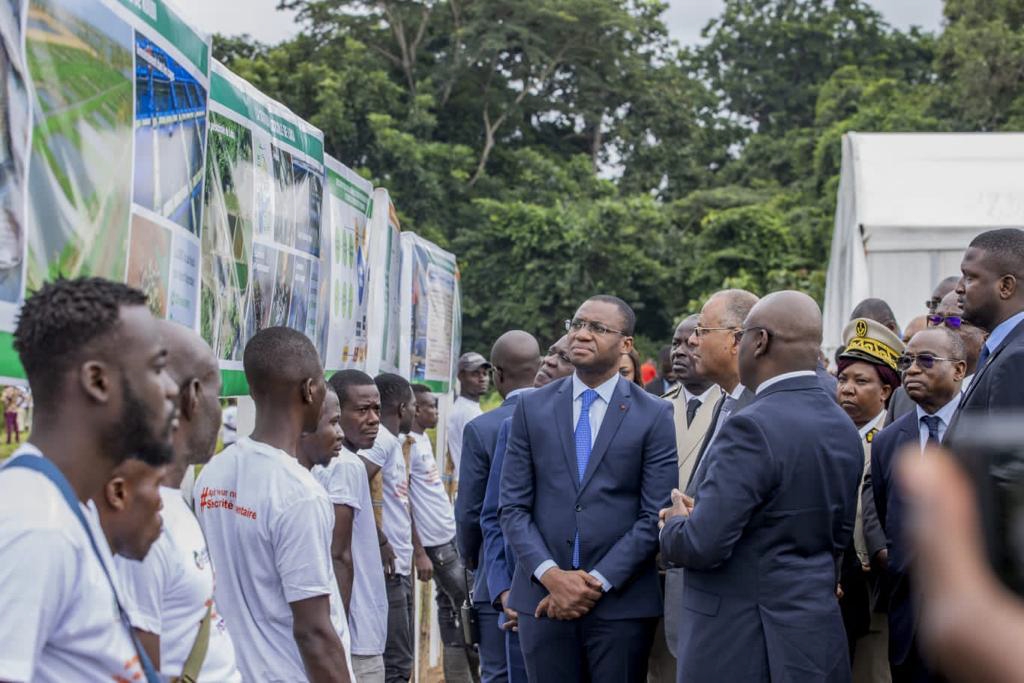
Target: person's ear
959 370
307 390
627 345
188 398
886 392
1007 286
116 494
95 380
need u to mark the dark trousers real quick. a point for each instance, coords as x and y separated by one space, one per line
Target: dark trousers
913 669
11 425
493 663
460 662
398 658
514 655
586 649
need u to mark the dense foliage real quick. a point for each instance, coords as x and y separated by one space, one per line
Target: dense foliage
566 147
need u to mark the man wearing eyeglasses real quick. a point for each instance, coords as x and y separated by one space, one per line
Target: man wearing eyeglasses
933 369
716 358
591 458
948 314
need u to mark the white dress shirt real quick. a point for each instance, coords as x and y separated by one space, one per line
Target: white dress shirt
781 378
945 414
687 396
596 415
876 423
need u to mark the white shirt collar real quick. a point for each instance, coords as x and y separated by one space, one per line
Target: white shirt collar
966 383
782 378
872 425
945 413
516 392
703 397
735 393
604 390
1002 331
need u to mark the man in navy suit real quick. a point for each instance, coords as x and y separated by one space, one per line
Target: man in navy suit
761 540
498 557
590 460
515 358
933 368
991 292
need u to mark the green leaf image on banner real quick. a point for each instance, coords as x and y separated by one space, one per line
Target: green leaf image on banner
79 57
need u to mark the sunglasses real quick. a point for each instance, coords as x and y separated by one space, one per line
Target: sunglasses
925 361
951 321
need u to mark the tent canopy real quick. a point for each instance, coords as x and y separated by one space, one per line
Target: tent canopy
908 205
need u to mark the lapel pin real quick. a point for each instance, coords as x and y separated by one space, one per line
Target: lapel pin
622 406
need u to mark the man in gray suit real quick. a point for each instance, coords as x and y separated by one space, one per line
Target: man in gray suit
716 358
693 402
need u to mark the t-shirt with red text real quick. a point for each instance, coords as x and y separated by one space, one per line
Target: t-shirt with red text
268 525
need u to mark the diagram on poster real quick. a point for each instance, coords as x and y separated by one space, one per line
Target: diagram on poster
385 292
431 309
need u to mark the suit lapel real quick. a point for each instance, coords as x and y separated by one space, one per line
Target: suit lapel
1010 338
563 423
693 438
613 416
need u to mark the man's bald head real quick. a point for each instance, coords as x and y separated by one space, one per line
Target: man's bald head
192 364
782 333
188 354
515 357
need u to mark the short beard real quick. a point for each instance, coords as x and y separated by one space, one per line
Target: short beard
135 438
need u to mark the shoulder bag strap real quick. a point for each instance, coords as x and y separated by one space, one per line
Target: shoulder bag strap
53 473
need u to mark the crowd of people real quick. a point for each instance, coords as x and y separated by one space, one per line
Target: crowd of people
740 516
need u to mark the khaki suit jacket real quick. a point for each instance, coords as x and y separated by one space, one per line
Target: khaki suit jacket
689 439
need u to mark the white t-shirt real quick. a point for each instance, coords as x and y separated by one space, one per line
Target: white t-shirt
58 616
431 509
463 410
268 524
167 594
386 452
346 484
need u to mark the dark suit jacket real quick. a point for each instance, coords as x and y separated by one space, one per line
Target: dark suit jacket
656 386
899 405
629 478
774 512
478 440
999 384
884 451
498 557
699 467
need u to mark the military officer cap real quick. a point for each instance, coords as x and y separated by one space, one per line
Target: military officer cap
871 341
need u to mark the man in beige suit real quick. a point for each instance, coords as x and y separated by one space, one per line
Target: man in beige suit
693 401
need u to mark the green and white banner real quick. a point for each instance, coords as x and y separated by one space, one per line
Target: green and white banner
126 152
262 229
431 313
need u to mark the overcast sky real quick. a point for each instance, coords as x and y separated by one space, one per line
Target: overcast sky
685 18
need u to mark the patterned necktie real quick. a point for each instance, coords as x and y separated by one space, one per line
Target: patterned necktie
691 409
583 446
932 422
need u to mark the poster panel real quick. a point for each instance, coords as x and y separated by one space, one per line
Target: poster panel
347 207
384 300
261 238
431 312
102 149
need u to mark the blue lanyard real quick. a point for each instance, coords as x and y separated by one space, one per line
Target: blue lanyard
53 473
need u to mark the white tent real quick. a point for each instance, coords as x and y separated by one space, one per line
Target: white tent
908 206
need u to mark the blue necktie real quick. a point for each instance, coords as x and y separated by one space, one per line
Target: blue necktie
583 447
982 358
932 422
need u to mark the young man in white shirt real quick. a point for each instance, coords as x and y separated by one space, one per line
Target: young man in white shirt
170 592
386 456
350 423
268 524
94 358
473 381
434 516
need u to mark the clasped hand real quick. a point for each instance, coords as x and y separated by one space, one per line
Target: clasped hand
571 594
682 506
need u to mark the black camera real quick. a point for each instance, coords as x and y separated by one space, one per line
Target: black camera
991 448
